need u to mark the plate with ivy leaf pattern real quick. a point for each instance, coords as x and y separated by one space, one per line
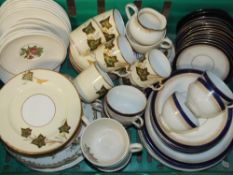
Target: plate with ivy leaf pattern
66 158
40 112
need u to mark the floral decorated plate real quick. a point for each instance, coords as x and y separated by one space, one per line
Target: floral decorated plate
40 112
31 49
67 157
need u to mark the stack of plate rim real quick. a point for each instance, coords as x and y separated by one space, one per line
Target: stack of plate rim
194 150
33 34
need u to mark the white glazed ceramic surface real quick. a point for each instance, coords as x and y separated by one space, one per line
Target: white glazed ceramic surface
33 49
173 116
80 62
41 94
92 83
105 143
204 57
147 26
111 24
66 158
115 54
87 37
153 68
125 104
201 101
185 157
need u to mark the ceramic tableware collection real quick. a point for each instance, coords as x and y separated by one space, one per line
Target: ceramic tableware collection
51 122
32 35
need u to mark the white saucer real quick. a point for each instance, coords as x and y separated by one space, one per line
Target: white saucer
204 57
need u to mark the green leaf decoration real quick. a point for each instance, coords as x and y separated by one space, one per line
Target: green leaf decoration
89 29
109 45
105 23
28 76
31 52
64 128
102 91
93 44
110 60
26 132
142 73
39 141
108 36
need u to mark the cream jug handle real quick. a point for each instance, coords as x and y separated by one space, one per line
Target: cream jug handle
132 7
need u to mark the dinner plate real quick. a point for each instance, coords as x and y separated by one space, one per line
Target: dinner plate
204 57
40 112
189 160
67 157
31 49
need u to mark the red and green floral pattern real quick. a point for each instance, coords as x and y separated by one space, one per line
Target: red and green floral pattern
31 52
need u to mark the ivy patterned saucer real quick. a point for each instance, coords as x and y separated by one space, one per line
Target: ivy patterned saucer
66 158
40 112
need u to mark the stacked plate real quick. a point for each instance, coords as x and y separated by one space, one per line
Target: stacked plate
192 150
205 42
33 34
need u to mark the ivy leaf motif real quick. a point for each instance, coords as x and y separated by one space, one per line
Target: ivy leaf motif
64 128
105 23
39 141
142 73
93 44
108 36
110 60
26 132
102 91
89 29
109 45
41 81
28 76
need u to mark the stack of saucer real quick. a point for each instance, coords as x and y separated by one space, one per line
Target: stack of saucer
204 42
33 34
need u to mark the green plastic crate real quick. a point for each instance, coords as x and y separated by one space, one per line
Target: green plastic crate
141 163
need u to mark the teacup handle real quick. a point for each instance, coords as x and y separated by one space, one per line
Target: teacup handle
157 88
85 120
132 7
165 44
135 147
138 122
97 105
120 74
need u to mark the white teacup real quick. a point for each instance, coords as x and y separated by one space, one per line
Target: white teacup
87 37
208 96
111 24
176 116
92 83
152 68
78 61
147 26
114 55
106 144
125 104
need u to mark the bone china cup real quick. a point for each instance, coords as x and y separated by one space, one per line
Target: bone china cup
111 24
208 96
125 104
153 68
106 144
115 54
87 37
92 83
147 26
176 115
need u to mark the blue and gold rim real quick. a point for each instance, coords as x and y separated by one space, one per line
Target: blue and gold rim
174 144
183 114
